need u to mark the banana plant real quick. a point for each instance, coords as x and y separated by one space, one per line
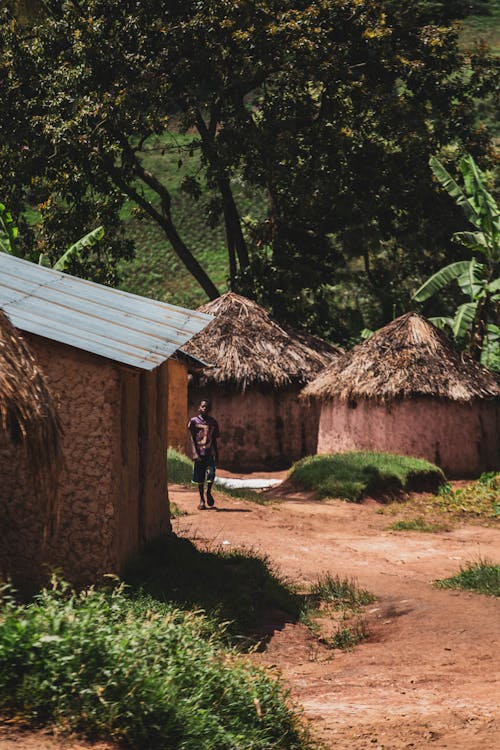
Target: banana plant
9 233
74 251
474 321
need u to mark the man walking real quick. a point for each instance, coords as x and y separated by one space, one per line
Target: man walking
204 431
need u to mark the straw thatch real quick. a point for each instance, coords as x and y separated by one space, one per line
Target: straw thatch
27 413
246 347
407 358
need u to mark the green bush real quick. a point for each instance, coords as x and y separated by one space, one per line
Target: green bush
354 475
179 467
139 672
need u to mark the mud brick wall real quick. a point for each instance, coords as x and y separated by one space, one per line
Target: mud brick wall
177 403
463 439
112 488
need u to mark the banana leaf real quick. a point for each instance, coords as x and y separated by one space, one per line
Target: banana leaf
44 261
89 240
456 192
463 319
479 195
440 279
476 241
494 286
8 232
441 322
473 280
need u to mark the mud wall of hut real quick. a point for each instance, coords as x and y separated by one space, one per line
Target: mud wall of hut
260 429
112 488
464 439
177 403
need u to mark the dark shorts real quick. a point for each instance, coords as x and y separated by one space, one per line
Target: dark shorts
204 469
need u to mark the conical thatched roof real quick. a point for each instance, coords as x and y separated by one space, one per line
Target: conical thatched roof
27 412
246 347
407 358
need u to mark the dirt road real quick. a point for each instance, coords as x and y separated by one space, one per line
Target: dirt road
427 676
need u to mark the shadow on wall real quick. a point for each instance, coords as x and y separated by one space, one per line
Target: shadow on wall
239 587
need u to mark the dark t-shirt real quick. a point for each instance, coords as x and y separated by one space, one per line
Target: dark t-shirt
204 432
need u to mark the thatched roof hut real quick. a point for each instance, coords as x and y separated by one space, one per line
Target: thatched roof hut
28 415
258 368
247 348
409 390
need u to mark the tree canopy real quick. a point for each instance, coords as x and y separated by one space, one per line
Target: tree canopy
330 110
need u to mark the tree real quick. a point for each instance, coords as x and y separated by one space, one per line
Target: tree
331 110
478 320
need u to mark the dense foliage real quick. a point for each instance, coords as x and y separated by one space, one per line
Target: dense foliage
329 111
477 321
138 671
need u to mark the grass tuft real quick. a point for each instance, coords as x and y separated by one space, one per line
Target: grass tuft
481 576
417 524
339 592
136 671
352 476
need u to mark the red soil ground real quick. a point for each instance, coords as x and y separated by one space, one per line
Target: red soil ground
428 674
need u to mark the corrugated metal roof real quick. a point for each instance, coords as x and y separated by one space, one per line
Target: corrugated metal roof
118 325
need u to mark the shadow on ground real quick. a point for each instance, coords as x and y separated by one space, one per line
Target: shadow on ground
238 587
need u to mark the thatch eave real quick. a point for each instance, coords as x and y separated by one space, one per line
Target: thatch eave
407 359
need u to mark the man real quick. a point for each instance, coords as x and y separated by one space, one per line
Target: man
204 432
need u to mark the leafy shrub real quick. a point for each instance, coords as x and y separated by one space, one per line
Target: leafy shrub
137 671
354 475
480 499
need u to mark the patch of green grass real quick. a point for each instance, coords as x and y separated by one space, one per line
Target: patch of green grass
179 467
238 587
417 524
481 576
138 672
339 592
480 499
352 476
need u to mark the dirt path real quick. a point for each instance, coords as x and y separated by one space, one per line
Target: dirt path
427 677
